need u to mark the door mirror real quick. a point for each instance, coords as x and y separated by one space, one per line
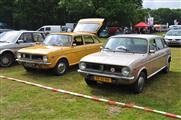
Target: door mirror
74 44
20 41
152 51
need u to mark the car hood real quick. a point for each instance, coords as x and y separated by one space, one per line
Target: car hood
41 49
172 37
5 45
113 58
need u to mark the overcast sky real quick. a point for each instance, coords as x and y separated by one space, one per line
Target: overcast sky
154 4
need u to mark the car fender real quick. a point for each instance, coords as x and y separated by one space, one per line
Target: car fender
140 70
7 50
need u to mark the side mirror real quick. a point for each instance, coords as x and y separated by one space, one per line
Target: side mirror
74 44
20 41
152 51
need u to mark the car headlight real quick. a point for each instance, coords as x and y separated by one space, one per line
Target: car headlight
82 66
18 55
125 71
45 59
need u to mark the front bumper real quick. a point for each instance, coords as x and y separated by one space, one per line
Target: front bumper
34 64
116 79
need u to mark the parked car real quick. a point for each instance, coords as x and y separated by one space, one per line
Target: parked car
173 37
4 27
174 27
12 41
127 59
61 50
50 29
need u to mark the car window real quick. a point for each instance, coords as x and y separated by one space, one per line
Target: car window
38 37
26 37
96 39
152 45
47 29
41 29
164 43
78 40
159 43
88 39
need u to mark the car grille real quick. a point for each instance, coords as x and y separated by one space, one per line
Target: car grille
31 57
103 68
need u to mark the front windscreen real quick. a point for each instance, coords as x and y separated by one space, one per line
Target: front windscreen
87 27
174 33
58 40
126 45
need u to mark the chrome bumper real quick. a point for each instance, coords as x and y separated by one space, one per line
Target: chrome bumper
33 62
105 75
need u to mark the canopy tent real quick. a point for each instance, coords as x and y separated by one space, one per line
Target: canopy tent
141 25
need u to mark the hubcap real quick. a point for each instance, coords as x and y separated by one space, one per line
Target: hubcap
141 83
61 68
5 60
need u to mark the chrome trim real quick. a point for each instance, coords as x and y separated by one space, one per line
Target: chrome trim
106 75
27 61
155 72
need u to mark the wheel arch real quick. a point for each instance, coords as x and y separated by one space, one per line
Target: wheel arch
143 69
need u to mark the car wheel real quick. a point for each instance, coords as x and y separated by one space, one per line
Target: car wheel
90 82
28 69
61 67
6 59
139 84
167 68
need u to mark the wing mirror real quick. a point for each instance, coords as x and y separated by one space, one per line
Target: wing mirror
152 51
20 41
74 44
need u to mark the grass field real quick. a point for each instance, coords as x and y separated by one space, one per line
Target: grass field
22 102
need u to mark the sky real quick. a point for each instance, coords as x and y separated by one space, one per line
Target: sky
154 4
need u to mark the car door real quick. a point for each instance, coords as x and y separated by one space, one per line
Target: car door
92 45
77 49
161 51
153 57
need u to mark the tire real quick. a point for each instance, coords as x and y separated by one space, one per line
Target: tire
61 68
28 69
138 86
90 82
6 59
167 68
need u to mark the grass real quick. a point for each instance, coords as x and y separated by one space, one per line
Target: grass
24 102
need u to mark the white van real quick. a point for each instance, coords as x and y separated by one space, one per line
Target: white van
50 28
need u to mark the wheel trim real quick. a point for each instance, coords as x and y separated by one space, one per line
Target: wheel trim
61 68
5 61
141 83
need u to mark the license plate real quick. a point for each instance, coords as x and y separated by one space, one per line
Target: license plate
103 79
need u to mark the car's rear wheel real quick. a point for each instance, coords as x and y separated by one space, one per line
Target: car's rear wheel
6 59
167 68
90 82
61 67
138 86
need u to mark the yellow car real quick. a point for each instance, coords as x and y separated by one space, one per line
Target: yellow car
61 50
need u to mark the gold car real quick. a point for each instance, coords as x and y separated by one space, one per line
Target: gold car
61 50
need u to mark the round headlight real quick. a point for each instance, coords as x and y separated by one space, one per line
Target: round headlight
82 66
19 55
45 59
125 71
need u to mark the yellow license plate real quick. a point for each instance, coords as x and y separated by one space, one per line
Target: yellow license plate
103 79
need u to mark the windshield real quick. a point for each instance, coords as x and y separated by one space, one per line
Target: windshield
127 45
58 40
87 27
9 37
174 33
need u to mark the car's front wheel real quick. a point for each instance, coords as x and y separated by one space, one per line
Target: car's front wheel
6 59
139 84
61 67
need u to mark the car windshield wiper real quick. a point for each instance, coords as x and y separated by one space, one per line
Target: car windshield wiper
122 48
4 41
106 48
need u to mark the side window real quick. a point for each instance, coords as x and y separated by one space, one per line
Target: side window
26 37
38 37
47 29
78 40
164 43
41 29
152 45
88 39
159 43
96 39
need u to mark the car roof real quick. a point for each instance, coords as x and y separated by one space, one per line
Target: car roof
22 31
144 36
73 33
